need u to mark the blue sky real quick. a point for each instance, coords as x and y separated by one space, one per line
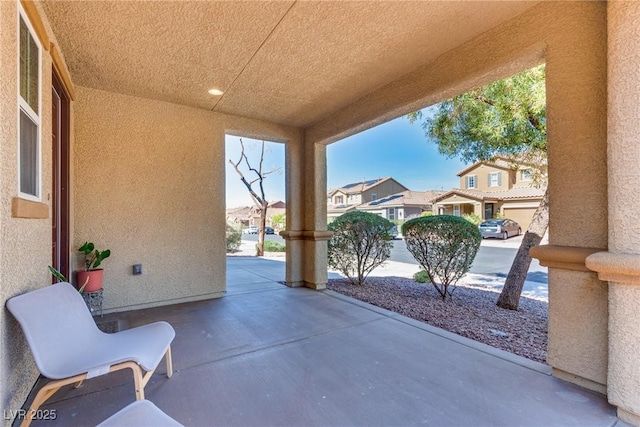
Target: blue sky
396 148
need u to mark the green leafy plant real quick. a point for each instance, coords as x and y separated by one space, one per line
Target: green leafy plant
93 257
61 278
279 220
445 246
361 241
473 218
234 238
271 246
421 276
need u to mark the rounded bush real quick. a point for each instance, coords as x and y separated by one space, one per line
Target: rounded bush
234 238
444 245
361 241
272 246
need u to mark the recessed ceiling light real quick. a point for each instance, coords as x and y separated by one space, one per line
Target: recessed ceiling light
216 92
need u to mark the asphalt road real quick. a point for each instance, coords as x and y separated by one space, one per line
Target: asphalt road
495 261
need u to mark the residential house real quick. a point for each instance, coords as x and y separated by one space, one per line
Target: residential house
402 206
346 198
109 133
489 188
250 215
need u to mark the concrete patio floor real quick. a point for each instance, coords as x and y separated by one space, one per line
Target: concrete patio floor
268 355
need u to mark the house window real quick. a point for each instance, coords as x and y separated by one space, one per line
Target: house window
495 179
374 196
391 213
526 175
29 150
471 181
456 210
339 200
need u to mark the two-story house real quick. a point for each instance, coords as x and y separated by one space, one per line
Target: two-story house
491 187
402 206
346 198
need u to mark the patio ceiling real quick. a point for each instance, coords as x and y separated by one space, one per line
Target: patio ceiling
292 63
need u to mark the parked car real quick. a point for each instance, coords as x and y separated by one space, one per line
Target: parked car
252 229
394 231
268 230
503 228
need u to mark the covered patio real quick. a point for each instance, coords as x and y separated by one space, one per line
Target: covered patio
268 355
113 118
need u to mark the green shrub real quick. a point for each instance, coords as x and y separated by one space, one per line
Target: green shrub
234 238
473 218
361 241
426 213
272 246
445 246
421 276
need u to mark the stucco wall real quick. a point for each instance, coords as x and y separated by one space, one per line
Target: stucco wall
149 176
25 248
482 178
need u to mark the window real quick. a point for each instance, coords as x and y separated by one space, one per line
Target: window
391 213
456 210
339 200
526 175
495 179
29 152
374 196
471 181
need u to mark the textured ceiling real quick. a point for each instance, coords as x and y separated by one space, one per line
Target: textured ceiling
292 63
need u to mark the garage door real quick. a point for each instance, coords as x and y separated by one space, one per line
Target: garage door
520 215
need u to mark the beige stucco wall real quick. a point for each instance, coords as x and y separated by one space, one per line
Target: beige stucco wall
623 206
384 189
148 179
25 248
482 178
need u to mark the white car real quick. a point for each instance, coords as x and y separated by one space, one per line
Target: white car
252 229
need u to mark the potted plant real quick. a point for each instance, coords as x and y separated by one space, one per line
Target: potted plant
91 276
60 277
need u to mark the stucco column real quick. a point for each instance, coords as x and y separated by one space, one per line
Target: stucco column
576 79
306 233
621 264
294 187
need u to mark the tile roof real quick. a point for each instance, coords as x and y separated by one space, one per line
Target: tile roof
514 193
418 198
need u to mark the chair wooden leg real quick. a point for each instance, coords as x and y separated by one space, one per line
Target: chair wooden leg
79 384
45 393
139 383
167 356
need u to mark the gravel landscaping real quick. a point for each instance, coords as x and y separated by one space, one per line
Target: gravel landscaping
471 313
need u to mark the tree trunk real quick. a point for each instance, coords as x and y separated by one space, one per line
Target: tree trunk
510 295
263 223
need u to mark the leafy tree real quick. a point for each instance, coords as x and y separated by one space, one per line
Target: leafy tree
505 118
361 241
444 245
279 220
259 200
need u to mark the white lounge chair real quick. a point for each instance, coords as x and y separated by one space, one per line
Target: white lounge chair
68 347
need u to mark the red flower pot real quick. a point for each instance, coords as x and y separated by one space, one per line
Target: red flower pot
95 279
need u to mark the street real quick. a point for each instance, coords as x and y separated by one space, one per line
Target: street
494 257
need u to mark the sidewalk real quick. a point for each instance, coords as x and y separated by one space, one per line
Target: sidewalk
493 282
